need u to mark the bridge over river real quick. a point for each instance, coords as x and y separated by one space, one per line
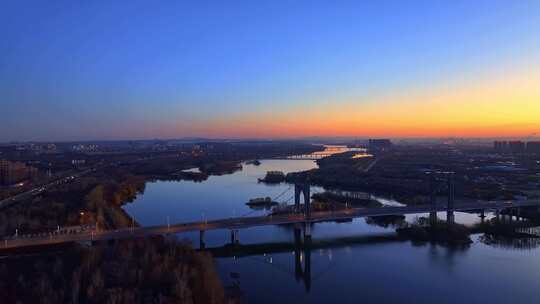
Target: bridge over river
234 224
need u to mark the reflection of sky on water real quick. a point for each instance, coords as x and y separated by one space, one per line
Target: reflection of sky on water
391 272
382 272
217 197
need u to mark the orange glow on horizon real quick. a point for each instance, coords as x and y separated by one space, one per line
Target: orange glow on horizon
509 106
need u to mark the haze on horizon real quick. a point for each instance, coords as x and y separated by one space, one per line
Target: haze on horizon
74 70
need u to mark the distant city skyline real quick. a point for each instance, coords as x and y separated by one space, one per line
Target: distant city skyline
102 70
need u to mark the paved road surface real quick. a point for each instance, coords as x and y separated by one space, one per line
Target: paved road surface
39 189
246 222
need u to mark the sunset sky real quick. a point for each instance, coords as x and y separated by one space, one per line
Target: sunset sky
86 70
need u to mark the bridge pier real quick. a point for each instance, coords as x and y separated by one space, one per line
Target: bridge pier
432 191
297 233
433 218
450 218
296 199
307 204
432 200
202 244
451 193
305 191
234 237
307 231
482 216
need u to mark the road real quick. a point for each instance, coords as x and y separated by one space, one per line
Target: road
247 222
42 188
65 179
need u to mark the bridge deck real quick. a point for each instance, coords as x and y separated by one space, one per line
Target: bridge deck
247 222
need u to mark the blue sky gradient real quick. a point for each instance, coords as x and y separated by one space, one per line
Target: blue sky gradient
73 70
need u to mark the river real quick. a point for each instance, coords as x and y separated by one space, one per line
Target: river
357 262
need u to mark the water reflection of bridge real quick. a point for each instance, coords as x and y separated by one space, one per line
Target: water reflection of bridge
302 248
303 245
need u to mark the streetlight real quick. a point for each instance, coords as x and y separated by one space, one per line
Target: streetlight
82 217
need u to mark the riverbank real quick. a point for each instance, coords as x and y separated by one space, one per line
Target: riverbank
96 199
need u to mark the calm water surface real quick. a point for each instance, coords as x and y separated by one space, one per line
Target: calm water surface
360 263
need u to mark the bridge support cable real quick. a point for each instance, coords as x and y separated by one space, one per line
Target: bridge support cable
282 193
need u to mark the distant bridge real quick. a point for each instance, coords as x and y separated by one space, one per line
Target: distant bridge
329 151
314 156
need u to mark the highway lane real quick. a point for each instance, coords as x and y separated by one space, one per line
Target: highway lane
42 188
65 179
247 222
